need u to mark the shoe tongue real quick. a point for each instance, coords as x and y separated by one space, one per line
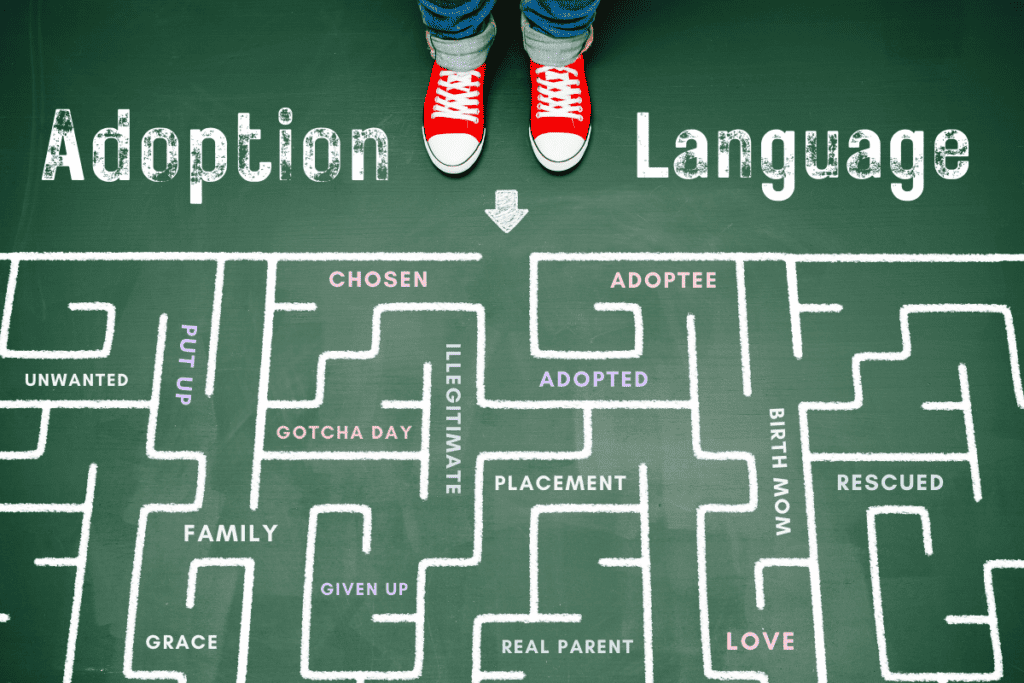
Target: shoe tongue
461 79
559 72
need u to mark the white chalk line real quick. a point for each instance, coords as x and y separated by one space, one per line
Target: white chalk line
793 296
264 403
904 353
264 382
294 307
775 256
850 258
766 562
238 256
103 404
535 616
964 405
741 306
704 510
307 592
215 314
418 618
219 257
422 455
249 568
478 531
989 619
635 309
796 308
140 538
78 562
602 306
37 452
587 406
809 457
5 328
738 257
482 400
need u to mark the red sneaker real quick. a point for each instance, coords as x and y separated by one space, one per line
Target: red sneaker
453 118
559 114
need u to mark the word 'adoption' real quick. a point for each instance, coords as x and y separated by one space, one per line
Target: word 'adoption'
163 166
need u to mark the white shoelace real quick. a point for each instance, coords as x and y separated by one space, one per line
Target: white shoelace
559 93
458 96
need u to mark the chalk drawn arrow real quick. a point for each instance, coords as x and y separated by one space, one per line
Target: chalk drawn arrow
506 213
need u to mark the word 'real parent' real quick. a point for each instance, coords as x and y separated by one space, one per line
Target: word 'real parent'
951 149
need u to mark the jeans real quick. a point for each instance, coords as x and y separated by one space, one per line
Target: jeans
460 32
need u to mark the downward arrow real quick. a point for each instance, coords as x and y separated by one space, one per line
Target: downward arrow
506 213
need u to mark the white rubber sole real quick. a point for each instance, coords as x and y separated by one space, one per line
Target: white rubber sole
459 168
553 165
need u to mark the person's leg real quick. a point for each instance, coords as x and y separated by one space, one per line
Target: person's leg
459 34
556 32
555 35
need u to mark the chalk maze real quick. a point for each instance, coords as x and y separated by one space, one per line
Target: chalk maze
376 483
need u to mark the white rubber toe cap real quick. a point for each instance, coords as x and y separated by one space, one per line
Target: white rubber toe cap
559 151
454 152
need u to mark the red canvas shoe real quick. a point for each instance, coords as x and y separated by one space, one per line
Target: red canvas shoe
453 118
559 114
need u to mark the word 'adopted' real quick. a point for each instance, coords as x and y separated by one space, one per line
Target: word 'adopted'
627 378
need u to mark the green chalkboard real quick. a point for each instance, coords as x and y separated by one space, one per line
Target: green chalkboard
727 402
